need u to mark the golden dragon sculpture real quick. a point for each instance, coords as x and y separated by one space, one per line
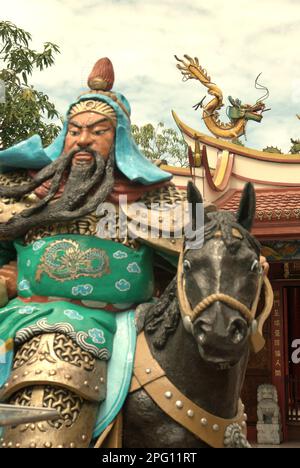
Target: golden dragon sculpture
238 113
295 148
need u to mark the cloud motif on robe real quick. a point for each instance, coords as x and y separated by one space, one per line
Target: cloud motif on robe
123 285
38 245
97 335
134 268
119 255
73 314
82 290
24 285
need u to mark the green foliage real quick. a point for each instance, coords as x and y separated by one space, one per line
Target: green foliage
295 148
237 141
26 110
272 149
161 143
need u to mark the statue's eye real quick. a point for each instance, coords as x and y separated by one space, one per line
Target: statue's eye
100 132
73 132
186 265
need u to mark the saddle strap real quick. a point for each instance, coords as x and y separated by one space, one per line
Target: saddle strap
111 437
151 377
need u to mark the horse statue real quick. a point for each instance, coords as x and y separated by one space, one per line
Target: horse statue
194 343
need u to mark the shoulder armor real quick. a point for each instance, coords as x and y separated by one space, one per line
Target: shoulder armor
158 218
9 206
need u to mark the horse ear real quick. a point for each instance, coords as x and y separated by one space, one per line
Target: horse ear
193 194
194 197
246 211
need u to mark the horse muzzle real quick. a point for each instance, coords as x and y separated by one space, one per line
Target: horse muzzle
221 339
235 333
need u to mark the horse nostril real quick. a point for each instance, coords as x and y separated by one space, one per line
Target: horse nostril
203 328
201 339
238 330
204 325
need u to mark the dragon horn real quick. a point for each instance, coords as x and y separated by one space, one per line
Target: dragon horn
259 86
178 59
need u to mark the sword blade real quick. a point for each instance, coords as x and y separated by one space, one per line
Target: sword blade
11 415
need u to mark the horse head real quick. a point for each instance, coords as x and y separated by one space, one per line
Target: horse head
219 283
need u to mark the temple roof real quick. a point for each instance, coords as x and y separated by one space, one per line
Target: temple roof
277 211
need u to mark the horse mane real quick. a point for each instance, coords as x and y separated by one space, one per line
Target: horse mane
163 317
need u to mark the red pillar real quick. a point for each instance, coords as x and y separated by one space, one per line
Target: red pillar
293 330
279 371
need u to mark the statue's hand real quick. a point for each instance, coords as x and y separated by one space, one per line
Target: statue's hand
264 264
3 292
9 276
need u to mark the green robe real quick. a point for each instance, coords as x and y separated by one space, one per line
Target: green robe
66 281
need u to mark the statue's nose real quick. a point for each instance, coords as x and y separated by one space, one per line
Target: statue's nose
85 139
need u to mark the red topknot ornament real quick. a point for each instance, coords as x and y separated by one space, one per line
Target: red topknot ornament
102 76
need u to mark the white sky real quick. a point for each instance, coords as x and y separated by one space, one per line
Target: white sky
234 40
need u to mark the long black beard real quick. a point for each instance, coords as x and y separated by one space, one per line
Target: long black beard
86 188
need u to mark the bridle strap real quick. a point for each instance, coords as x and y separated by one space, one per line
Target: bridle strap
193 314
228 300
189 316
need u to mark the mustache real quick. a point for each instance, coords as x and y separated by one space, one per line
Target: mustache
55 170
85 149
77 175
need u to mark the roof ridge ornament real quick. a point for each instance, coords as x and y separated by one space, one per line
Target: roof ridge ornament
238 113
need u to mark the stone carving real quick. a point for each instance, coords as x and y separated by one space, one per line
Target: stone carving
234 437
269 429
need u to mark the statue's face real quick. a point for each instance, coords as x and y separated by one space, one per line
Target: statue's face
89 130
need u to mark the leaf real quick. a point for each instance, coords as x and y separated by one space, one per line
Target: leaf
25 109
161 143
24 76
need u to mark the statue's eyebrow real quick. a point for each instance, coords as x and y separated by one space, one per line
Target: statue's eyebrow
76 124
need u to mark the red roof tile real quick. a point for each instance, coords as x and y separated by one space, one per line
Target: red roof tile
277 205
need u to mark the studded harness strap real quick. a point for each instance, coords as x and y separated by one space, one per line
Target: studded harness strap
149 376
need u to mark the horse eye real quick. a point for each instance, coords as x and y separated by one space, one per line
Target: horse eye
254 265
186 265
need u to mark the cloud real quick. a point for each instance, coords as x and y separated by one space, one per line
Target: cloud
133 268
82 290
97 335
234 41
73 314
123 285
119 255
27 310
24 285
